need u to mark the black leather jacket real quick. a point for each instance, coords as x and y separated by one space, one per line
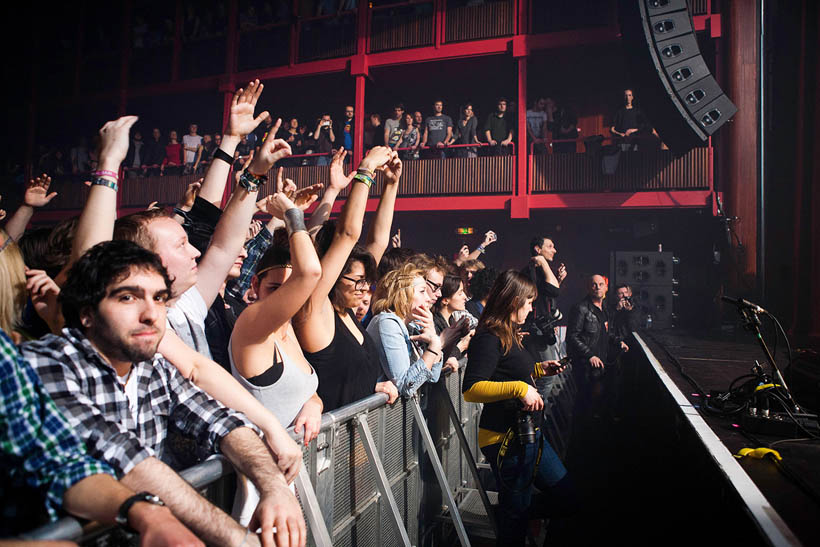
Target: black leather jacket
588 332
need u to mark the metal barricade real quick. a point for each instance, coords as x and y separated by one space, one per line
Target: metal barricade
378 474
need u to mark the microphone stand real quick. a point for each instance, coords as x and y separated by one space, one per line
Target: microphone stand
752 320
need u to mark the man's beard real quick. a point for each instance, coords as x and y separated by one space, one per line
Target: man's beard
113 346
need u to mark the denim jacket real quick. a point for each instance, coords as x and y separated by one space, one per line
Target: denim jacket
396 352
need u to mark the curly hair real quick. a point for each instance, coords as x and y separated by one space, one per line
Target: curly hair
358 254
509 293
426 263
395 291
103 264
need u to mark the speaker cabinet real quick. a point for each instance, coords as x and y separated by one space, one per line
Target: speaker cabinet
672 82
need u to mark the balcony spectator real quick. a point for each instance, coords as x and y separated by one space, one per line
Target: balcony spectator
409 138
498 130
154 154
565 128
392 125
205 153
325 138
172 163
190 144
438 131
296 139
134 158
627 123
243 150
537 125
373 131
261 132
79 157
347 129
418 120
466 132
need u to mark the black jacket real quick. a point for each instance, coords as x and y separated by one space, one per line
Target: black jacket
588 332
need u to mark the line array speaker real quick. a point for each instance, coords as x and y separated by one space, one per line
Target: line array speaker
672 82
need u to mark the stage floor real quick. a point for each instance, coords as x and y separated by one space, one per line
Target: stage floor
713 363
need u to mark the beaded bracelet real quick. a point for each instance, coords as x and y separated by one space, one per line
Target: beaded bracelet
104 182
363 178
251 182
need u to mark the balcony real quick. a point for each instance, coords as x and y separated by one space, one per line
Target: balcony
649 179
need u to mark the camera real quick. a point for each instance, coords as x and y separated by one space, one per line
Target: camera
541 330
525 428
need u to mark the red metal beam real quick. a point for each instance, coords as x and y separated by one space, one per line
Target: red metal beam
358 121
623 200
323 66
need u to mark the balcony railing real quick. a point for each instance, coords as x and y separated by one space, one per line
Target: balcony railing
471 22
635 172
487 175
401 26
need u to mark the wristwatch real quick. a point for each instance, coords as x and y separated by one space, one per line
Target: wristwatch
122 513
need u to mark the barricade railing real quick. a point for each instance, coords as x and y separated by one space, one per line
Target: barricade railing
381 474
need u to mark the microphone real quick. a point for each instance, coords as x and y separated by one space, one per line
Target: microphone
743 303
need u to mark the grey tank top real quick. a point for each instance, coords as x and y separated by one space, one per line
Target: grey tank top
286 395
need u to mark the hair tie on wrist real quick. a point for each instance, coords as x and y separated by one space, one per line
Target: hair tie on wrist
220 154
105 173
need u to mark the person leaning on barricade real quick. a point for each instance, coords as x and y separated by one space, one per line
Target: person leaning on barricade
500 373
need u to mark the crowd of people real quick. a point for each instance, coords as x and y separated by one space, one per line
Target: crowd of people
122 337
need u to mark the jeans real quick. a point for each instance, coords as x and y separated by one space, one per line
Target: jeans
515 509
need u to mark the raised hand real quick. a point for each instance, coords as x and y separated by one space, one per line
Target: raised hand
377 157
36 193
304 197
338 179
489 238
44 291
244 167
271 151
562 272
241 121
392 169
114 142
253 229
276 205
396 239
187 201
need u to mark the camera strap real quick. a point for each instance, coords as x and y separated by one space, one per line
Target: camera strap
502 451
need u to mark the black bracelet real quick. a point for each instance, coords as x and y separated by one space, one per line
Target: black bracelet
295 221
434 352
122 513
220 154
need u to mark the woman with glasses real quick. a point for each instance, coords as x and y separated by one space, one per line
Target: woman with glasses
334 342
403 297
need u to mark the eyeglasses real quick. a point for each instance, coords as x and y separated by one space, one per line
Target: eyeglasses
358 284
435 286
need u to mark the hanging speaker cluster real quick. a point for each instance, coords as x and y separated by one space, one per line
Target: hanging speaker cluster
672 81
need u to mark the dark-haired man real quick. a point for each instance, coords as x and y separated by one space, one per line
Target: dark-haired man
543 345
121 396
498 129
438 131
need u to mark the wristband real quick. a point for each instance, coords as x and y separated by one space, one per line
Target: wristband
220 154
103 172
104 182
480 248
295 221
366 172
251 182
122 513
363 178
436 353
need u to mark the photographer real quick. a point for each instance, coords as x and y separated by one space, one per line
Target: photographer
325 138
500 374
625 315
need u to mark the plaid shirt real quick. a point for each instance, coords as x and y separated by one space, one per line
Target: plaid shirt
256 247
89 393
40 451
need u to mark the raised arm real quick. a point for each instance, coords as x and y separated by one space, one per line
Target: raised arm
241 122
489 239
229 235
35 195
338 182
378 237
96 223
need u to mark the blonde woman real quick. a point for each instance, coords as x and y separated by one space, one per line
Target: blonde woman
402 297
12 287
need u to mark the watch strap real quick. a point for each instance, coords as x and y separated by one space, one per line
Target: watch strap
122 512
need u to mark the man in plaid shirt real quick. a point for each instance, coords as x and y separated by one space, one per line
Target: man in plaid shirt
121 396
42 458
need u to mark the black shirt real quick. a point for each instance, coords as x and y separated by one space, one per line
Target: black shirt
347 370
486 361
